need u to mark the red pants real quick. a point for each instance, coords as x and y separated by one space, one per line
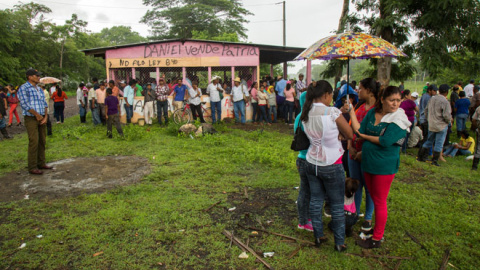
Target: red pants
13 110
379 187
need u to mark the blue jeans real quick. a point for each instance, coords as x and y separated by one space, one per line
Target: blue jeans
95 115
327 181
461 121
3 123
356 172
303 200
452 151
239 108
289 108
256 113
162 107
128 112
272 109
262 111
436 139
216 107
82 110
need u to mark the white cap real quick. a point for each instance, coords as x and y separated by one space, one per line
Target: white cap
414 94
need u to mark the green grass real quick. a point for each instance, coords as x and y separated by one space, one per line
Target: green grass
159 223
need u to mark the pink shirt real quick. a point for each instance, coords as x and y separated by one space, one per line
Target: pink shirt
349 204
253 92
289 94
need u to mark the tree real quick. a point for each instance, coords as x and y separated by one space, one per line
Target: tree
119 35
444 29
28 40
180 18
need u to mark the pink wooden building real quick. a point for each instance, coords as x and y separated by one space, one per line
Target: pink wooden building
192 60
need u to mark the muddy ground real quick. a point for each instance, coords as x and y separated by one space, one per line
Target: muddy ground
71 109
75 176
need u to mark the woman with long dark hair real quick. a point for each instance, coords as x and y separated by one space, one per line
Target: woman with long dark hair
325 173
368 92
383 131
290 103
59 98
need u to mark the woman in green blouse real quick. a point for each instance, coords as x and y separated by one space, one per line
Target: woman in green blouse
383 130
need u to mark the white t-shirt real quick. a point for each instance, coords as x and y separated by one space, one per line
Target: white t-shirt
325 147
194 99
213 92
52 90
468 90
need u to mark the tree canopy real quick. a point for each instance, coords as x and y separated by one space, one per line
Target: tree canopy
184 18
445 32
29 40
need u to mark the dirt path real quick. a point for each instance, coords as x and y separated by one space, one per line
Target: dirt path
71 109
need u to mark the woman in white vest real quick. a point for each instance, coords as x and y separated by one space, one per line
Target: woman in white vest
325 172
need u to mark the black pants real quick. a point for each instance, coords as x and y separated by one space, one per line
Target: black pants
162 107
424 127
49 126
197 110
58 108
114 119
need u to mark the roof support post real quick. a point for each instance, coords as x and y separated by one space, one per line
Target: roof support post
209 74
233 76
133 73
285 70
309 72
271 70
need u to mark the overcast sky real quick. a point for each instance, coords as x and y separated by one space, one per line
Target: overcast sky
307 20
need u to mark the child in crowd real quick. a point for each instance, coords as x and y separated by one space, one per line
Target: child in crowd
112 107
262 105
465 147
3 113
351 217
272 103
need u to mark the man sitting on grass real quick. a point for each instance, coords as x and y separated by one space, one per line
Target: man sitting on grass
112 107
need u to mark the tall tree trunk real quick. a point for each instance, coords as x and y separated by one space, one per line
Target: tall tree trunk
384 65
341 27
61 60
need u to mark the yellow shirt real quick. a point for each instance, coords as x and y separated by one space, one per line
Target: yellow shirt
47 98
464 143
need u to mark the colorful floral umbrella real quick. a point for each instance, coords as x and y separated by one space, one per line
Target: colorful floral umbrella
350 45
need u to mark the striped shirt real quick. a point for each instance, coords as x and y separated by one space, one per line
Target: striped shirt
32 97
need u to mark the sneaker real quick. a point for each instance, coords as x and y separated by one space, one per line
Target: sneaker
366 226
327 212
361 215
308 227
364 235
369 243
368 234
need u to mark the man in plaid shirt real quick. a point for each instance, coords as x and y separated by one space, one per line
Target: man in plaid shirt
162 91
34 107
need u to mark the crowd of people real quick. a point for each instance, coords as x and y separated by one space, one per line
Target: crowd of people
350 131
370 125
